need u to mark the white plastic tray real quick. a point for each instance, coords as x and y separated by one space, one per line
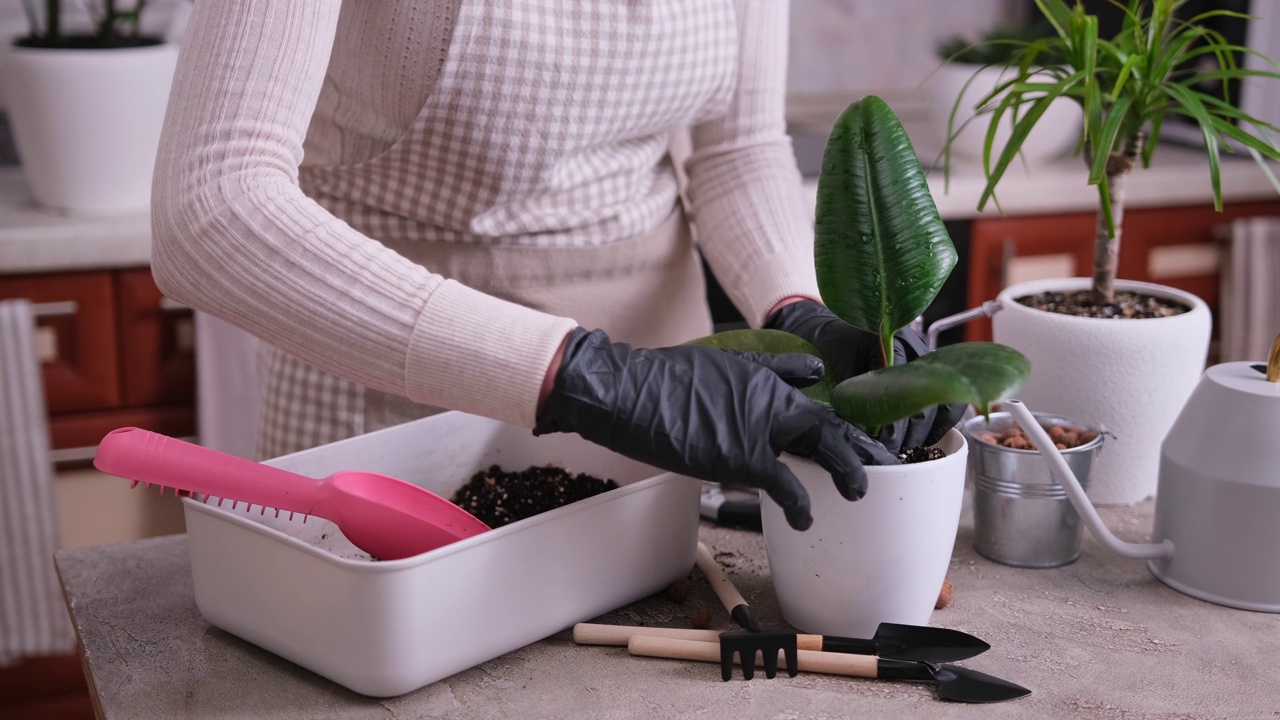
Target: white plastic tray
302 591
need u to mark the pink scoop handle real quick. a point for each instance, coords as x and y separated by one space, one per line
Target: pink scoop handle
148 457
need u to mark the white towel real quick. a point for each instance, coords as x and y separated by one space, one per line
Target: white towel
1250 313
33 615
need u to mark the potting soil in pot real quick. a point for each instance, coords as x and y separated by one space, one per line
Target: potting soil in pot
920 454
499 498
1127 305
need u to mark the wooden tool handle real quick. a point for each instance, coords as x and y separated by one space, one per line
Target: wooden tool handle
720 582
595 634
808 660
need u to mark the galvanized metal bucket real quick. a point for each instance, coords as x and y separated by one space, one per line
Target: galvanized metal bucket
1022 516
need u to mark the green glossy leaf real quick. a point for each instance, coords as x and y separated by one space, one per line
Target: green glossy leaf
881 250
976 373
773 342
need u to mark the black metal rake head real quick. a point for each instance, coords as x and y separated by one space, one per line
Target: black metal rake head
746 644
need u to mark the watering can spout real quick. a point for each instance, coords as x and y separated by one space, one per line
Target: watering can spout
1062 473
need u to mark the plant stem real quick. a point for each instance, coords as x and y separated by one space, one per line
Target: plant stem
53 20
1106 242
107 31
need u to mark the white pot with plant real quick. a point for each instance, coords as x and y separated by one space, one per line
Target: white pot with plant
87 108
882 254
1122 354
967 79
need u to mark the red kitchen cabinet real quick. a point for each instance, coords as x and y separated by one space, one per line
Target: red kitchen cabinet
76 339
114 352
157 340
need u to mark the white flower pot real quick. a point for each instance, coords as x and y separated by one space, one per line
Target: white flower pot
880 559
1054 135
86 123
1132 377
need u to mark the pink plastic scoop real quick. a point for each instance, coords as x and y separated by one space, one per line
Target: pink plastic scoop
388 518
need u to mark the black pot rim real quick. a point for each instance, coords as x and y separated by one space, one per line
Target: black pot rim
85 41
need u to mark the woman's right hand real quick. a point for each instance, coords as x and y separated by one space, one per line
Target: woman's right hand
708 413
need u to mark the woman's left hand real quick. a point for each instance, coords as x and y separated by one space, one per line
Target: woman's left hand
848 351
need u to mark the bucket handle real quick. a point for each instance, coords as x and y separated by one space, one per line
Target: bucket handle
1062 473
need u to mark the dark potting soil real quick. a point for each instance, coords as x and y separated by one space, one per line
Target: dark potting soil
88 42
498 498
1127 305
920 454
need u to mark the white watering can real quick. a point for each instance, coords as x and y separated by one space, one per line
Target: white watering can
1217 515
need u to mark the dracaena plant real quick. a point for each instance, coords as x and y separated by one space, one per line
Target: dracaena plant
113 25
882 253
1156 66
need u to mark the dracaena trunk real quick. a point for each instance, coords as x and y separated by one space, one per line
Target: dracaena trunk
1106 244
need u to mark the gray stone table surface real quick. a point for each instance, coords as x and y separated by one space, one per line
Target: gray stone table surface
1100 638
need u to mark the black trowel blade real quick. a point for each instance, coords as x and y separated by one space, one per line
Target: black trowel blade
927 644
952 682
964 685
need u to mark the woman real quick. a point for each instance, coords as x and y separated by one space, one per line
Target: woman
471 205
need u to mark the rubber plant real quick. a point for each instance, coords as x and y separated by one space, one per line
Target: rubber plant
114 26
882 253
1156 66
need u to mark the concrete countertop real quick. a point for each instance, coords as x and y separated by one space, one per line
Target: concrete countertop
1100 638
34 239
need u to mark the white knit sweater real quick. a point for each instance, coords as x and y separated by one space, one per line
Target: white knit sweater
243 228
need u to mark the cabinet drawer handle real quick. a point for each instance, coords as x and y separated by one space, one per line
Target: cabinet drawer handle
54 309
1008 251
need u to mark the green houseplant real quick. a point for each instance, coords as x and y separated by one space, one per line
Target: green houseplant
114 26
881 253
87 105
1118 353
1126 86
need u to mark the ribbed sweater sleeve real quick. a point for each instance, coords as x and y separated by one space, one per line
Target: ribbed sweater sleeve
744 189
233 234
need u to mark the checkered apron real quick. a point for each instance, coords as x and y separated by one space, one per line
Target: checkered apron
505 182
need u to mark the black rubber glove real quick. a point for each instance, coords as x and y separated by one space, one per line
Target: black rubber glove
849 351
708 413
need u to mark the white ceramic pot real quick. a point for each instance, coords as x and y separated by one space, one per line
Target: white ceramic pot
880 559
86 123
1055 133
1132 377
